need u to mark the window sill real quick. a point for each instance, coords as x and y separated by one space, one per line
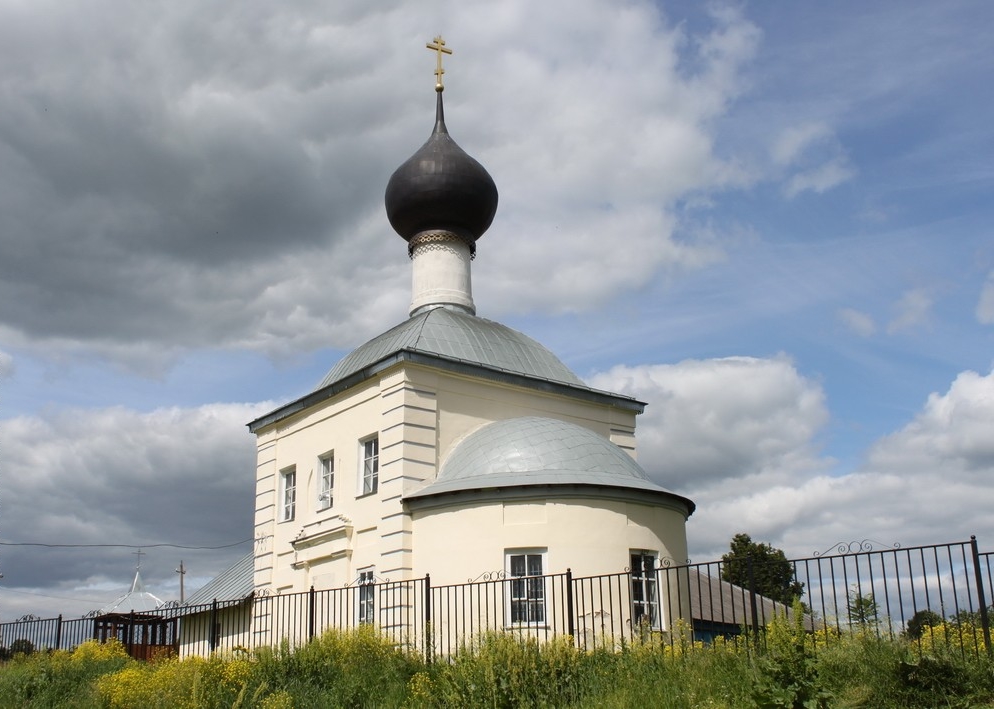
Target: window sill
366 494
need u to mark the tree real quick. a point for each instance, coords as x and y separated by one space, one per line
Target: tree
920 621
772 575
970 618
863 609
22 645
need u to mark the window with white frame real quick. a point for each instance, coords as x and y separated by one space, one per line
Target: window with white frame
645 590
370 465
326 483
527 586
367 596
288 494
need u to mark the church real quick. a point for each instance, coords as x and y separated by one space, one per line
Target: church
452 445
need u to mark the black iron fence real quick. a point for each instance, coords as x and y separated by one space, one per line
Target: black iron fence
934 593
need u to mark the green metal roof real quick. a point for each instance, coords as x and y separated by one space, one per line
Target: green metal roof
457 335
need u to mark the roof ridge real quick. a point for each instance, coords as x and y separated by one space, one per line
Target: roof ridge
421 328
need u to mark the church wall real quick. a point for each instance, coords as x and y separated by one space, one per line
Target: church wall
419 414
464 404
590 536
334 543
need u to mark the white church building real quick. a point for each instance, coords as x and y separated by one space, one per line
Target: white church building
452 445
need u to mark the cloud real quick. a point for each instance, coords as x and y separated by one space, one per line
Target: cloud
796 139
820 179
732 434
740 435
218 182
985 306
814 155
913 309
951 433
117 476
927 482
6 365
857 321
713 423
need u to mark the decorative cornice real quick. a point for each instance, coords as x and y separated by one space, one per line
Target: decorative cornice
342 529
435 238
458 366
520 493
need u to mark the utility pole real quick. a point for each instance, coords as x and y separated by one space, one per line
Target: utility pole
182 572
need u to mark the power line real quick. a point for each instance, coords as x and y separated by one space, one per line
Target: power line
5 589
123 546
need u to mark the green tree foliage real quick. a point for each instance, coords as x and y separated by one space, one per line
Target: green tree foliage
862 608
772 573
920 621
22 645
970 618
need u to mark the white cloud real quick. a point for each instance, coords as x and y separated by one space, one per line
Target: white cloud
913 309
713 423
857 321
223 187
6 365
985 306
814 156
733 434
928 482
117 476
796 139
739 437
952 433
820 179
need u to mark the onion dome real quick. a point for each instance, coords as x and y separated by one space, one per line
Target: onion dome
441 188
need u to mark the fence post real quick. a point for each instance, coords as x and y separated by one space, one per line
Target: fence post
311 605
131 635
212 623
58 633
427 620
570 625
984 616
752 599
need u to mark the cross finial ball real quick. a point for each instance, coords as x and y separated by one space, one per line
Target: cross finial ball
438 45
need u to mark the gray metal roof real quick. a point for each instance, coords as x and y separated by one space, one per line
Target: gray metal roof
460 336
138 599
457 341
233 584
533 450
714 600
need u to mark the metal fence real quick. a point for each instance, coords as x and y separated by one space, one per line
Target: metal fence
914 592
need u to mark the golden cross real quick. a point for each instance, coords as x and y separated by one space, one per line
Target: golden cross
438 45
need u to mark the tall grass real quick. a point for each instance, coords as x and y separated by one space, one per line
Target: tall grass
360 668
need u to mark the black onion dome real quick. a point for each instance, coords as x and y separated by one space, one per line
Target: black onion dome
441 187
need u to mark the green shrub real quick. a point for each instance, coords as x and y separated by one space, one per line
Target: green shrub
360 668
505 670
788 671
346 668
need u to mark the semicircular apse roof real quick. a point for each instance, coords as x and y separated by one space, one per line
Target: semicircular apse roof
534 450
463 337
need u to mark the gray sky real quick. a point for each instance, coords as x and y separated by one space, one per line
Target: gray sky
770 221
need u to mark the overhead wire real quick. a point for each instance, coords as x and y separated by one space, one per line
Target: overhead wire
125 546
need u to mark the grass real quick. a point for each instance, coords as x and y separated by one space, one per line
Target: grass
359 668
